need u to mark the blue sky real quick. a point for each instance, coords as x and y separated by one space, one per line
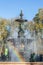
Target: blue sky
12 8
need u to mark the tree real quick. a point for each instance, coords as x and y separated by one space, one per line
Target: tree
4 32
36 18
38 21
39 16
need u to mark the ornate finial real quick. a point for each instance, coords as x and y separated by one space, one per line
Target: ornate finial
21 14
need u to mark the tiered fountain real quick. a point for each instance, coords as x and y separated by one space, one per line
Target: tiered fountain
21 20
22 41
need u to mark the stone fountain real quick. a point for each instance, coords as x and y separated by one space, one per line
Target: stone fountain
20 20
23 45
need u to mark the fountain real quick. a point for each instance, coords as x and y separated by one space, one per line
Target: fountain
22 43
20 20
